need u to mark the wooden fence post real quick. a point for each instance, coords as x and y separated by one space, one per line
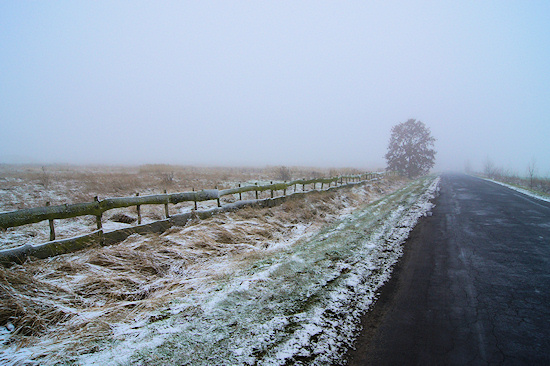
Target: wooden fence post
240 194
271 190
284 190
52 227
166 212
138 207
99 225
256 190
98 217
218 199
195 200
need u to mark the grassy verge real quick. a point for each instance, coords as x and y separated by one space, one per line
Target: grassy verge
297 304
523 187
113 301
536 186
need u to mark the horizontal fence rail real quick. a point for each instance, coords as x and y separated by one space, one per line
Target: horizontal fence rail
97 208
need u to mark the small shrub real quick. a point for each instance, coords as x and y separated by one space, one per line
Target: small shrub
44 178
284 174
167 179
123 218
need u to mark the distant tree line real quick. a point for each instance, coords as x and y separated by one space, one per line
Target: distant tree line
531 179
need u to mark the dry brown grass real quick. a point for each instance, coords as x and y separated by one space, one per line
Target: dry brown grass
34 185
31 305
27 186
76 298
74 184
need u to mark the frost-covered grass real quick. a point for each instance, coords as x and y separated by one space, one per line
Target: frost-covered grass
58 309
522 189
257 286
28 186
297 305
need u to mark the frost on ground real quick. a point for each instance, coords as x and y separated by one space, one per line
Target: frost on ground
30 186
521 190
258 286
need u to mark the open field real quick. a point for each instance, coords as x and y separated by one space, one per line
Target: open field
125 303
23 187
26 186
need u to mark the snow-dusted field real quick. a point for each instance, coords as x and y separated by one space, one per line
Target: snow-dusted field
33 186
258 286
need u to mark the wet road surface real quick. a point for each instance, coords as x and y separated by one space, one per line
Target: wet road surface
473 287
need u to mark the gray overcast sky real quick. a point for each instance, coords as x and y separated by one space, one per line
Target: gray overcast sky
269 83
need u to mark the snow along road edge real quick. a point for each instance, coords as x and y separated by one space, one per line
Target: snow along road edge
333 330
302 306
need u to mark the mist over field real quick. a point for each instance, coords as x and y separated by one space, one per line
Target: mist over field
273 83
200 182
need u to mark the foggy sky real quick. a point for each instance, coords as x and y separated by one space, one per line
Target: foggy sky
273 83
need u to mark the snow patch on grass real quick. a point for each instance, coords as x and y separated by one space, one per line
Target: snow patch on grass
299 305
521 190
232 289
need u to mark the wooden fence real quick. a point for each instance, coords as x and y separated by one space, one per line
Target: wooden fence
98 207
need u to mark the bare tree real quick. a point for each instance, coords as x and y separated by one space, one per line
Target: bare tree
468 166
489 168
532 171
410 150
44 178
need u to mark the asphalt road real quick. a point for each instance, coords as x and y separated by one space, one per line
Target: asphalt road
473 286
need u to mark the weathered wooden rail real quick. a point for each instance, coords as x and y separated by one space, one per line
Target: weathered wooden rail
98 207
